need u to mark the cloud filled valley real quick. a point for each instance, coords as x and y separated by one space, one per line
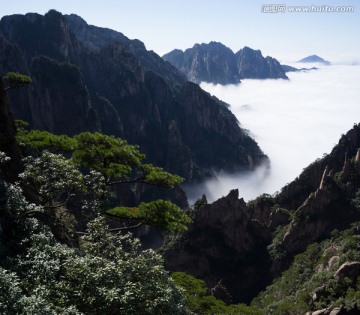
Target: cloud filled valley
294 121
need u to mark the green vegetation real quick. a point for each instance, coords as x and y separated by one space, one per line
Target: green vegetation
160 214
263 198
96 163
16 80
309 284
200 301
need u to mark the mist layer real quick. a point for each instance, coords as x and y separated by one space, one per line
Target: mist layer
294 122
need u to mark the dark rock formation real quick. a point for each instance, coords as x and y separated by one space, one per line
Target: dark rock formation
225 243
8 169
248 245
321 199
217 63
211 62
252 65
67 105
349 270
97 38
315 58
87 78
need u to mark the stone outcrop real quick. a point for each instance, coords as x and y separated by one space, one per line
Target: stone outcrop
319 293
225 244
218 64
333 311
349 270
92 79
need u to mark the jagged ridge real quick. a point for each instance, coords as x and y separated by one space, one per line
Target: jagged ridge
216 63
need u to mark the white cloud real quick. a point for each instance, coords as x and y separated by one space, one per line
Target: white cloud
294 122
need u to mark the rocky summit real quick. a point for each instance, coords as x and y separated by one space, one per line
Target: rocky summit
216 63
87 78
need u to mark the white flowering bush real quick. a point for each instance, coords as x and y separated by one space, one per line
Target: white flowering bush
97 195
55 178
3 157
108 274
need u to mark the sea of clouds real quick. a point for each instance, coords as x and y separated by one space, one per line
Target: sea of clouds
294 121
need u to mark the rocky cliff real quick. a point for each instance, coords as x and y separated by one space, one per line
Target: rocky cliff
89 78
8 146
217 63
97 38
246 246
224 244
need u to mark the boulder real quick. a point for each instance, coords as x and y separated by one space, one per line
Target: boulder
348 270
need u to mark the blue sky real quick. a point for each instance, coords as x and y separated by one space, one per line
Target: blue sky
164 25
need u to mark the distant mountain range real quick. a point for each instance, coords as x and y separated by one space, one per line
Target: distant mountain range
216 63
313 59
87 78
287 68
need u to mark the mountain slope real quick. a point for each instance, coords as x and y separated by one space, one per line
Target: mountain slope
246 246
119 88
97 38
216 63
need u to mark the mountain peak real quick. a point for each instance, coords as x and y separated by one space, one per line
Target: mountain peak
314 58
246 48
216 63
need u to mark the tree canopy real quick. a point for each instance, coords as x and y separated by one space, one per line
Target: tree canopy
87 165
15 80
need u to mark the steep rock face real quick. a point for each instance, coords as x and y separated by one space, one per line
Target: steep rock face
295 193
106 86
52 109
206 120
211 62
11 168
97 38
321 199
216 63
252 65
248 245
225 244
41 35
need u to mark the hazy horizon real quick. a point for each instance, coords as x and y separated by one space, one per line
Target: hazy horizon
294 122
